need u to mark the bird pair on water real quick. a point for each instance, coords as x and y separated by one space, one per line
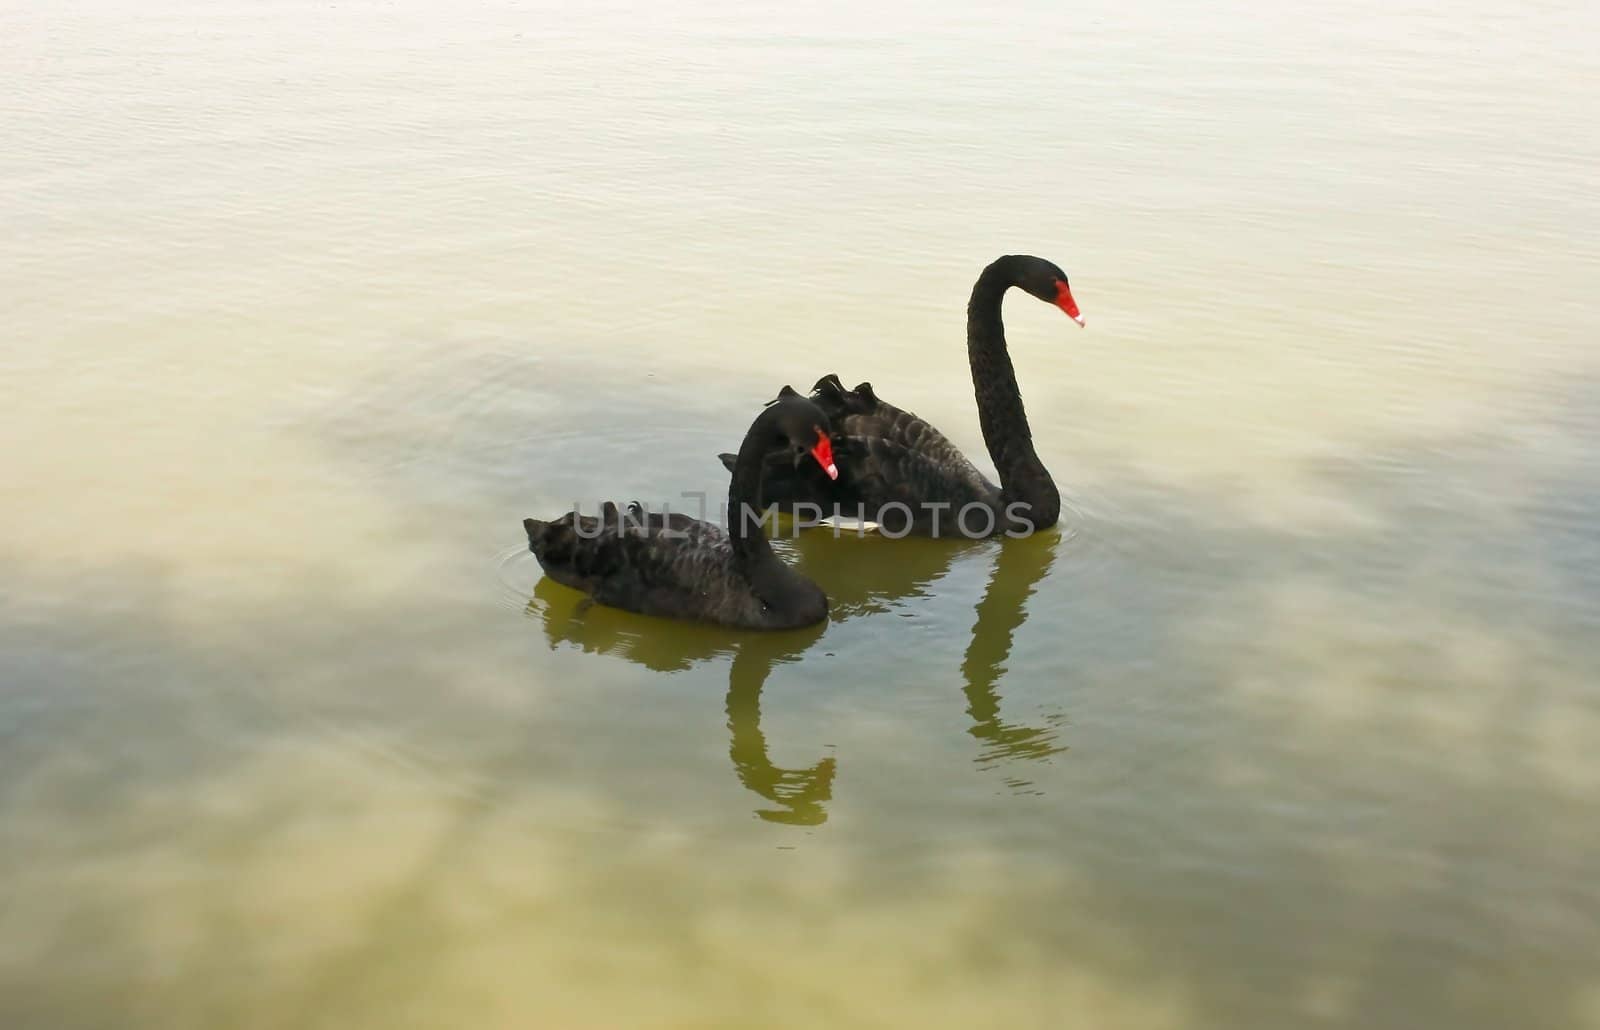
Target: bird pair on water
838 452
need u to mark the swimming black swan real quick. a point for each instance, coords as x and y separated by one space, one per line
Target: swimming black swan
900 472
673 565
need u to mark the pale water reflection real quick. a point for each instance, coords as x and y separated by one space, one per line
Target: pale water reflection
1295 724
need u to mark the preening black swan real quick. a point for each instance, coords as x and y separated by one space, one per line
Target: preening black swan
900 472
677 566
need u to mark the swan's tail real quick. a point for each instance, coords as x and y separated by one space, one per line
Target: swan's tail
536 532
727 460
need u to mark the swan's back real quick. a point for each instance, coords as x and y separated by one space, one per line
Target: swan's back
653 564
663 564
886 456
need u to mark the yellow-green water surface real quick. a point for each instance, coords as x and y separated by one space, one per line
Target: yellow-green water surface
1295 722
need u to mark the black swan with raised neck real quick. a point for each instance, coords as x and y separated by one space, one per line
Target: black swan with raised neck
657 563
898 471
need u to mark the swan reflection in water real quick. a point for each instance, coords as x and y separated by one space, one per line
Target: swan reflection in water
798 794
1020 565
863 576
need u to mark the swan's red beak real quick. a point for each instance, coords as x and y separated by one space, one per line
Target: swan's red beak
1065 302
823 452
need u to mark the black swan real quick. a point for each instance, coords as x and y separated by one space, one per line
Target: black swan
900 472
676 566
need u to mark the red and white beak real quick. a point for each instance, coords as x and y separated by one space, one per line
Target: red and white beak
823 452
1065 302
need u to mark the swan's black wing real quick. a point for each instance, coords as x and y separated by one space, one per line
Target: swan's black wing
902 487
668 565
887 458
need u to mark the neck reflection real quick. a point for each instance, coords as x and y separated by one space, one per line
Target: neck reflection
1020 565
867 576
797 796
800 795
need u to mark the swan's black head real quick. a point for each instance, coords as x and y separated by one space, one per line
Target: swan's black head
793 424
1045 280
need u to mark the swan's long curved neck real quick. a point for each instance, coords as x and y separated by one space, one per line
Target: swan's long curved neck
750 542
1000 412
744 490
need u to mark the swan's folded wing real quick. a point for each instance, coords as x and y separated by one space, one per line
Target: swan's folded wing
675 566
906 430
885 455
926 482
652 563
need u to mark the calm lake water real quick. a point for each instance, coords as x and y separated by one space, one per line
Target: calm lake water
1295 721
